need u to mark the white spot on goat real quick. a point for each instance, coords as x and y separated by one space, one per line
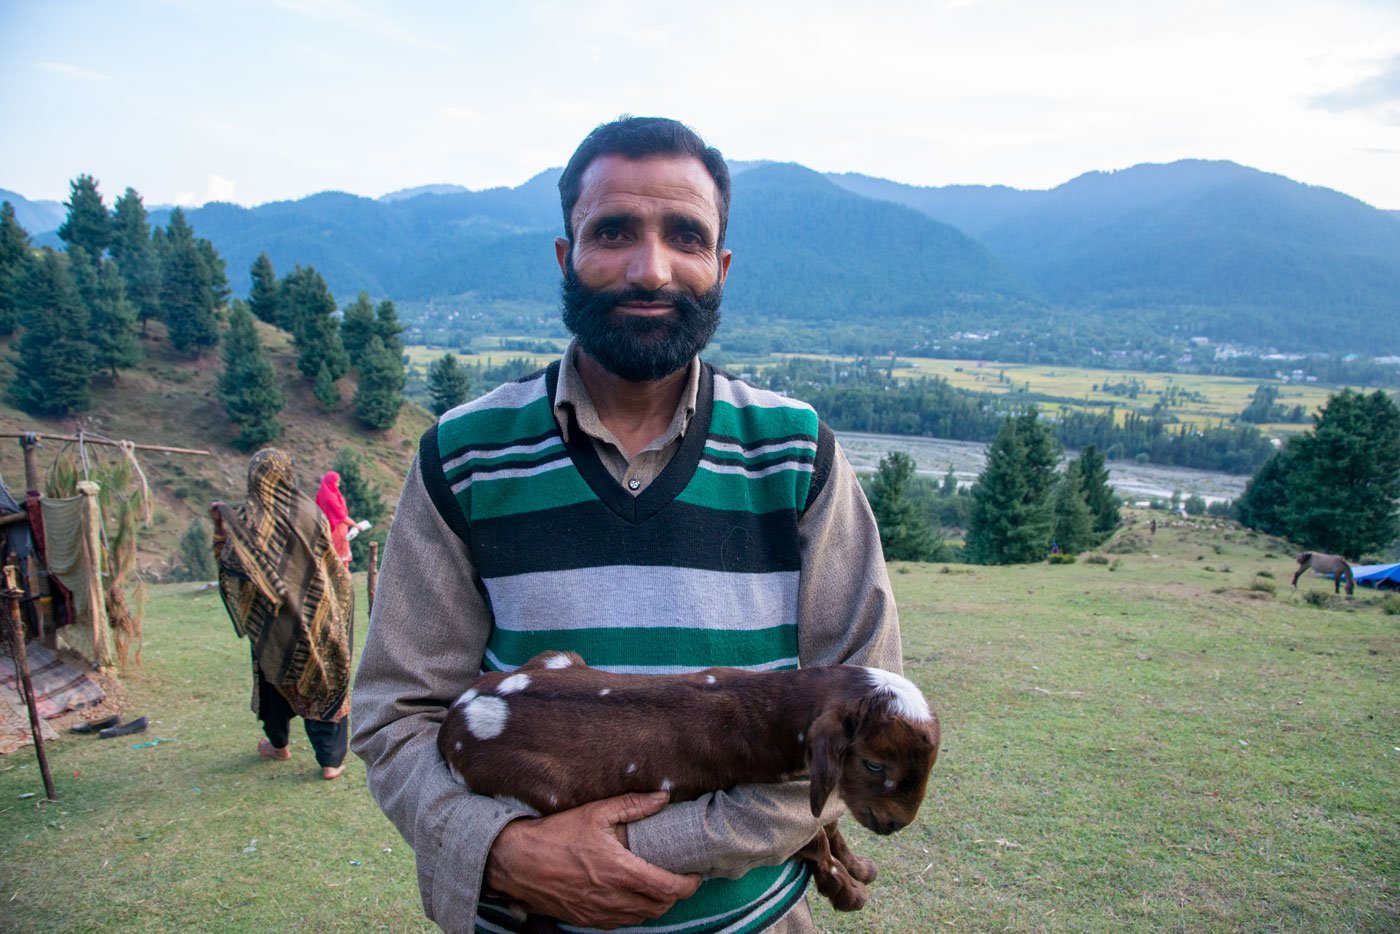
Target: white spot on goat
486 717
466 698
889 784
667 784
513 684
456 776
554 801
558 661
458 744
605 692
801 738
709 679
632 767
908 700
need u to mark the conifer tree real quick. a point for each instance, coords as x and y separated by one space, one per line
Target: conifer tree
87 224
1266 494
326 391
219 292
265 296
194 561
1074 520
1012 516
135 254
905 534
310 308
248 387
364 503
53 367
378 399
387 326
949 486
357 327
186 291
14 255
111 318
1102 501
447 383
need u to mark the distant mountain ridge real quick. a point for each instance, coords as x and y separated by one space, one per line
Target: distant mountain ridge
1216 248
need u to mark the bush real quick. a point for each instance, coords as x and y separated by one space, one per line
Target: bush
1263 586
1096 559
1268 574
194 560
1061 559
1390 606
1318 598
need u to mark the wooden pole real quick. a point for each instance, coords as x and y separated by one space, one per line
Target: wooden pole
372 579
89 439
12 595
38 584
42 603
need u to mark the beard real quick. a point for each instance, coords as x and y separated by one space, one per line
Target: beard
633 348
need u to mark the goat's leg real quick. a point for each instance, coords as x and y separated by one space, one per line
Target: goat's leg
833 880
860 868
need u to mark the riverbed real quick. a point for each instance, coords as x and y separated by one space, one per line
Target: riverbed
1134 482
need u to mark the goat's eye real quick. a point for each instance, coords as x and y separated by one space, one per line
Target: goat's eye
872 766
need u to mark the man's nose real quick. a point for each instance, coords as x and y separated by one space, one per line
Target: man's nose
650 267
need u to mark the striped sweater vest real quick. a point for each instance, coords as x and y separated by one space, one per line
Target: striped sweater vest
701 569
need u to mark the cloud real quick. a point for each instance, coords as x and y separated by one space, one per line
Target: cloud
218 189
73 71
1380 90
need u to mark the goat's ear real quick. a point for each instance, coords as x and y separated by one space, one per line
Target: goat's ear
827 743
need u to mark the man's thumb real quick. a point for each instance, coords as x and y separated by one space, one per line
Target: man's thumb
624 809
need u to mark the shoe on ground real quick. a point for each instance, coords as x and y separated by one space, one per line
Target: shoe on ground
126 729
94 726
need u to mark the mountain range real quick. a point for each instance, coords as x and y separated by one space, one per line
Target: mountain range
1204 248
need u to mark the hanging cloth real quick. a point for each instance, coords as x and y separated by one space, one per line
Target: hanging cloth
72 536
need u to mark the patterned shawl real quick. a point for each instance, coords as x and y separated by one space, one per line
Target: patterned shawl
287 591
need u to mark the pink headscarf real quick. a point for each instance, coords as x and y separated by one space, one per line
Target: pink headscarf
332 503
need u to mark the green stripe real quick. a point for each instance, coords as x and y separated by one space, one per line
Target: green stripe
785 489
754 423
490 499
759 461
650 646
496 425
549 452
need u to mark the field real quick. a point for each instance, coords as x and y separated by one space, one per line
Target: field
1168 740
1198 400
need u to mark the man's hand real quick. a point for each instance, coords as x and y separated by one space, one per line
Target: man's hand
574 865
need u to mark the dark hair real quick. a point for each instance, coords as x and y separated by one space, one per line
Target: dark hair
640 138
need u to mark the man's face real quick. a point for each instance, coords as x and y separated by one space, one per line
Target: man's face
644 276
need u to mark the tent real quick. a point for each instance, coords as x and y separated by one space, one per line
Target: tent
1380 576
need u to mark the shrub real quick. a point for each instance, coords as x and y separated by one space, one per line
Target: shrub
1096 559
194 561
1268 574
1390 606
1263 586
1318 598
1061 559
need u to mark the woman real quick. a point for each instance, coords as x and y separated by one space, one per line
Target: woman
286 589
332 503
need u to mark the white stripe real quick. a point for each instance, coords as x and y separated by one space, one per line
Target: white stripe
505 396
741 394
535 448
731 447
546 467
799 466
638 597
498 665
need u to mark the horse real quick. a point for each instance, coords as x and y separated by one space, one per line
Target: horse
1334 565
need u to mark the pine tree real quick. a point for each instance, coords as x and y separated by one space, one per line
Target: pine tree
219 292
186 292
357 327
1266 494
387 326
88 224
248 387
310 308
326 391
14 255
194 561
1012 516
265 297
949 486
135 254
53 369
364 503
378 399
111 318
447 383
1102 501
905 534
1074 520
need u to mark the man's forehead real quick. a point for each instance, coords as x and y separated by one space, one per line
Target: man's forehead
673 183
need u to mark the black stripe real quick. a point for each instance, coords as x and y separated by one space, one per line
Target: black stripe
590 534
821 466
762 442
439 491
496 445
525 460
753 466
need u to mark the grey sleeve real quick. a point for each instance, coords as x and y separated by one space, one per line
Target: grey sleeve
846 615
426 637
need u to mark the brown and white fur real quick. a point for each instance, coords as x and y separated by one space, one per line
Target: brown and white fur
556 734
1320 563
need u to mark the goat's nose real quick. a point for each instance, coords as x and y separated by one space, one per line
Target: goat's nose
891 825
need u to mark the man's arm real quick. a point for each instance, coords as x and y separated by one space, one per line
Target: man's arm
426 638
846 615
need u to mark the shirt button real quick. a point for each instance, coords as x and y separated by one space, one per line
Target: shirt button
633 483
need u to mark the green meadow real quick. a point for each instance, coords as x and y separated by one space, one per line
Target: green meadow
1160 737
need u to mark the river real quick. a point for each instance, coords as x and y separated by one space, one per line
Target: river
1134 482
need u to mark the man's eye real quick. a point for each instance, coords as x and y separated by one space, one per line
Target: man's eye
690 239
872 766
609 233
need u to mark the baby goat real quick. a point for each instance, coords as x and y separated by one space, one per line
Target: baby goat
556 734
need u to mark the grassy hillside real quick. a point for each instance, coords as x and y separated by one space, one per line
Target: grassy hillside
1155 742
170 400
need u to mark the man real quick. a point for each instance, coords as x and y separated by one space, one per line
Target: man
634 505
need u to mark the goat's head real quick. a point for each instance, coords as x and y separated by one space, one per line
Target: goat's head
876 751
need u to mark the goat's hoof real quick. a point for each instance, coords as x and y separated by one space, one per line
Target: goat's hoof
850 898
860 868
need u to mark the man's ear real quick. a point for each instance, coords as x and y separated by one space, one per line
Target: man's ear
561 252
724 257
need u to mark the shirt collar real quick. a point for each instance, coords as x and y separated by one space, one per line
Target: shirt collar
570 393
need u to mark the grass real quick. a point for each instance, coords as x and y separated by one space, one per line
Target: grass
1144 746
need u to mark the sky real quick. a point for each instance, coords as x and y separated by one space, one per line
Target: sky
252 101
